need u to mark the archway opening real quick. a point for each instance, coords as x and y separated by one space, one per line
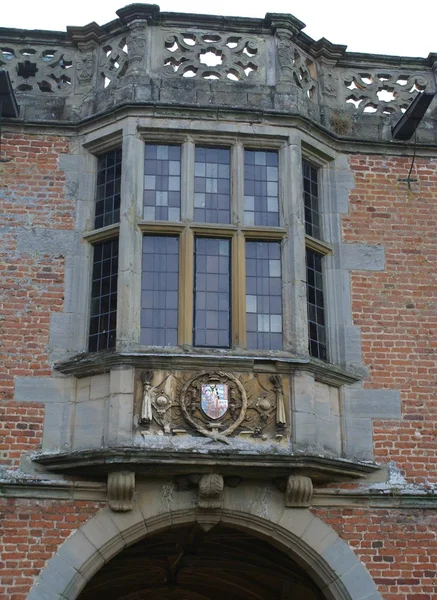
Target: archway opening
188 563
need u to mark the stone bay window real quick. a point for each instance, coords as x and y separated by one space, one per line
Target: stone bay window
208 290
212 248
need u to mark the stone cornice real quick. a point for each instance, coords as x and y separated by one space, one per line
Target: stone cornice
167 462
83 365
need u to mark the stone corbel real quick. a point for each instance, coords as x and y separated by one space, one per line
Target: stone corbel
211 491
210 499
298 491
121 490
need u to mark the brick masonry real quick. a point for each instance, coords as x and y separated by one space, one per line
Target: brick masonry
395 309
32 198
398 547
31 533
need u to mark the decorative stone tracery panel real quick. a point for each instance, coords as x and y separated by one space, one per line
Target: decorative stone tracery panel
211 56
381 92
36 69
113 62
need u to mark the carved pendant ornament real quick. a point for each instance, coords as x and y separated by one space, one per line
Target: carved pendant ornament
213 404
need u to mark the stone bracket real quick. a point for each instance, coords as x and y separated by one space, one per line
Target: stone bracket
211 488
298 491
121 490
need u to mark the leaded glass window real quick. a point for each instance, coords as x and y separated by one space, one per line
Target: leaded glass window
212 241
212 185
104 296
264 295
261 188
159 285
108 189
311 199
316 305
212 322
162 183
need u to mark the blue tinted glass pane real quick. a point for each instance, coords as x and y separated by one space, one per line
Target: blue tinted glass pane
162 183
316 307
107 209
261 188
104 296
159 291
212 323
263 296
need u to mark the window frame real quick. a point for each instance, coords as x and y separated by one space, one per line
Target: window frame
132 132
318 245
236 231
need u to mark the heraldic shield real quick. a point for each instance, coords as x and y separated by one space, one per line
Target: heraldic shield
214 399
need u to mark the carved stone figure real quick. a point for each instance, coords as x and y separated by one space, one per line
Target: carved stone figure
146 408
281 419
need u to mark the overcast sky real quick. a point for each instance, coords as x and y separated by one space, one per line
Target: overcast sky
375 26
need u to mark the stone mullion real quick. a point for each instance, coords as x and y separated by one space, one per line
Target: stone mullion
237 184
295 322
130 243
186 247
187 181
186 287
238 282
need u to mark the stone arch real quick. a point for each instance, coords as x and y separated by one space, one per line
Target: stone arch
252 507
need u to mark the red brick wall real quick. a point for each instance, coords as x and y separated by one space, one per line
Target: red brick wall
31 286
397 309
30 534
398 547
20 431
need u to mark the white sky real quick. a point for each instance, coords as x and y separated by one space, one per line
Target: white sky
378 27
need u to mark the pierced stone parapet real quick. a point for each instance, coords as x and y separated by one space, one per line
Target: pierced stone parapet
211 56
298 491
160 58
38 68
121 490
383 92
